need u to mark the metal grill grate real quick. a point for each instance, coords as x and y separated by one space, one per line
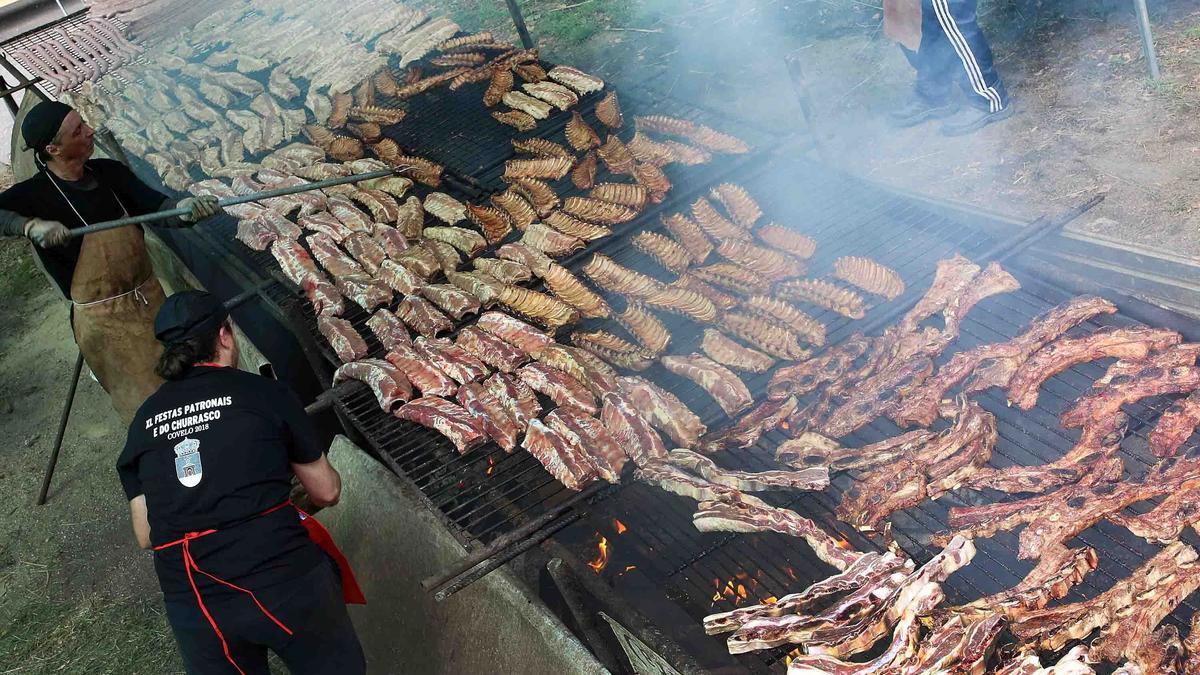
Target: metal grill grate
52 32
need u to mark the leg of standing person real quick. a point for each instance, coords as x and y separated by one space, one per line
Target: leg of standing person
985 91
324 641
937 67
200 647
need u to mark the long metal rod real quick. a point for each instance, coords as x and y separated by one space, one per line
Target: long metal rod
1143 15
9 91
62 429
265 194
491 564
509 539
519 21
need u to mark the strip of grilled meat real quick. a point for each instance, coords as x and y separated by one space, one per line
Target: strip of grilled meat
1175 426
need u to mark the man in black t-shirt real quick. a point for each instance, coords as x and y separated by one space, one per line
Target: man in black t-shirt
107 275
207 468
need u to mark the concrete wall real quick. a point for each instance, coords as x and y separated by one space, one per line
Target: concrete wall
393 541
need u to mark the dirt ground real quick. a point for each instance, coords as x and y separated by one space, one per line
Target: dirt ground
76 595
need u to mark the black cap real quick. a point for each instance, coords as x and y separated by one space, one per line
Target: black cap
189 314
42 122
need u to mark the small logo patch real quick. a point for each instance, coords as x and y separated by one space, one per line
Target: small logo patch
188 468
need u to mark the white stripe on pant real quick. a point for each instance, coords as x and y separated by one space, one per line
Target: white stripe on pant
958 40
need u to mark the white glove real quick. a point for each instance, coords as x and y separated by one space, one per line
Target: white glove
46 233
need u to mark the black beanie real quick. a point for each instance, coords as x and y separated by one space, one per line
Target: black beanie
42 122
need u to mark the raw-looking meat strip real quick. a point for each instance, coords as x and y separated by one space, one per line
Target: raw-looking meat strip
812 449
587 436
451 359
1059 570
490 349
670 478
517 398
756 516
446 418
389 330
368 252
633 432
452 300
346 342
813 479
420 315
421 373
718 381
867 570
1130 344
366 292
389 385
664 410
296 263
490 413
324 297
566 463
560 387
399 278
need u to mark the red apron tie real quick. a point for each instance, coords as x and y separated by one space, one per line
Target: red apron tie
189 565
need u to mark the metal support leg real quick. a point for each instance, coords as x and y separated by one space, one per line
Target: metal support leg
9 100
519 22
62 428
1143 15
800 88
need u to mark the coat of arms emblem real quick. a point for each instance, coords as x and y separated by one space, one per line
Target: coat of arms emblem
188 468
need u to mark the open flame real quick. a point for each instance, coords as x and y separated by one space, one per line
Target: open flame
601 560
733 589
491 466
770 600
787 659
785 426
620 527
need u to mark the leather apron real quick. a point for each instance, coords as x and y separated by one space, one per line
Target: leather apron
902 22
115 297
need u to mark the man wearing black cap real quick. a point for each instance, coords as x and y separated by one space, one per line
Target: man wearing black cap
207 468
106 275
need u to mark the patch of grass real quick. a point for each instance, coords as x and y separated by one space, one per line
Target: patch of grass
96 634
19 275
574 25
1193 32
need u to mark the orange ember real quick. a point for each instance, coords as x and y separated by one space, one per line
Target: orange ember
601 560
770 600
785 426
787 660
620 526
491 465
844 544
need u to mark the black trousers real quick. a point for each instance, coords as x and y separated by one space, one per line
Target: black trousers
954 50
323 640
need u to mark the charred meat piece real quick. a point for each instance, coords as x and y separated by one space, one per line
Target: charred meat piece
724 350
451 359
994 280
583 176
566 462
590 437
878 395
490 414
580 134
952 278
613 349
1165 522
617 278
664 410
516 332
750 427
1129 344
718 381
520 212
1058 571
575 293
560 387
515 119
493 222
540 147
745 481
446 418
716 226
574 227
812 449
787 316
1175 426
553 243
505 271
806 376
389 385
927 471
733 277
608 111
1103 402
664 250
631 431
420 315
